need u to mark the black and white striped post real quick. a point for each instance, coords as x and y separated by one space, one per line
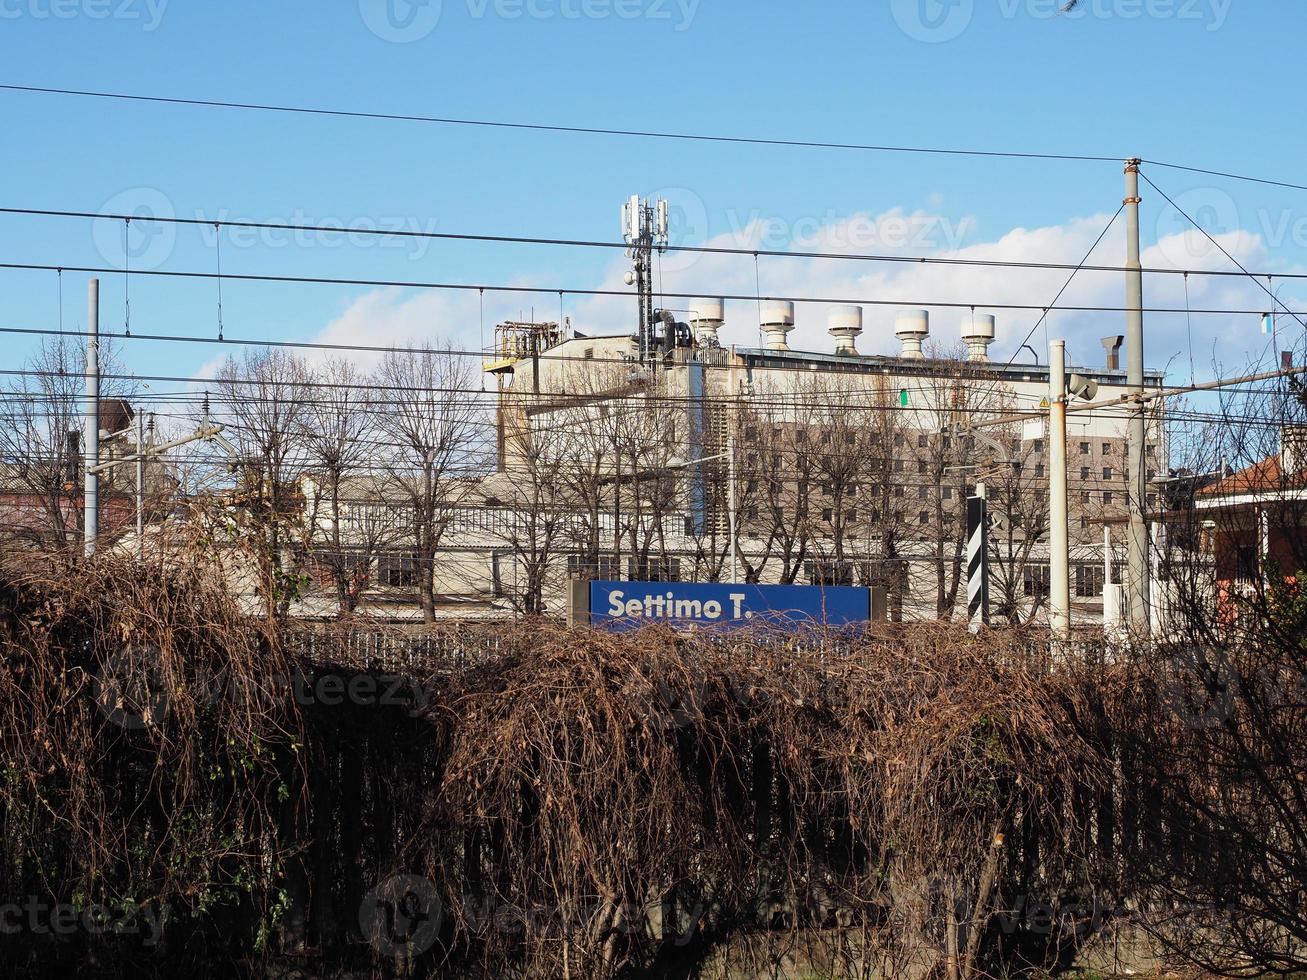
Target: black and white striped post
977 560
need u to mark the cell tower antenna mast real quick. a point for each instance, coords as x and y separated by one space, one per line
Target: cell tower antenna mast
644 229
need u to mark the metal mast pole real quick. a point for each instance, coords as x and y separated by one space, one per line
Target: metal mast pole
140 484
91 422
1137 494
1059 571
731 506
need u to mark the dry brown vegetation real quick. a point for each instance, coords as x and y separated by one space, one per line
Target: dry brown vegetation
908 802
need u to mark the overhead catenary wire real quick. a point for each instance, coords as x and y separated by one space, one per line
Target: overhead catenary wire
743 251
555 128
633 133
1223 250
579 291
641 134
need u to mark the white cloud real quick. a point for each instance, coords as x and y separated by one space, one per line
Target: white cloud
392 316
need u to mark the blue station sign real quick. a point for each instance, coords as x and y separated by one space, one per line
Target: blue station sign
622 606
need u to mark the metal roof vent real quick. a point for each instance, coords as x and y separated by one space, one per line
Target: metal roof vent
978 334
707 315
912 327
777 322
845 326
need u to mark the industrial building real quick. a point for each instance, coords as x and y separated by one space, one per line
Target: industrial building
826 467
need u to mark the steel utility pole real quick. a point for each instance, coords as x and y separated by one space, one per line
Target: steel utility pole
91 423
140 483
1136 437
1059 554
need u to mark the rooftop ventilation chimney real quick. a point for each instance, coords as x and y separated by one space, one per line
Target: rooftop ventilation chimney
978 334
706 317
912 327
845 325
1293 449
1113 347
777 321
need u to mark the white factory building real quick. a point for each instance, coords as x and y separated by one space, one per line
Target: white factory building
691 431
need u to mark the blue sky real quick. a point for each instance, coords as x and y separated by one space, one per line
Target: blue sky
1203 82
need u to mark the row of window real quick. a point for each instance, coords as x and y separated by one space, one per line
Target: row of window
1089 579
827 437
1108 448
401 571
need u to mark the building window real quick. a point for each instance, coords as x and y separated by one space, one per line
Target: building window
827 514
1089 581
603 567
1084 472
851 517
898 491
654 569
826 437
751 433
397 571
923 441
923 493
1084 497
1035 580
1149 474
1039 469
1084 449
898 439
1107 449
1107 472
1107 496
1039 445
1245 563
898 466
923 517
947 493
1152 500
1151 450
832 572
496 572
921 466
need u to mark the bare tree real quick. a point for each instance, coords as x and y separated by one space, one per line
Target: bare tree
41 424
263 399
1018 510
348 521
954 393
539 509
431 425
1220 748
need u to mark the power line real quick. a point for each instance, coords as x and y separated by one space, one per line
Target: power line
218 224
747 297
1053 305
813 399
1230 176
1184 214
642 134
548 128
